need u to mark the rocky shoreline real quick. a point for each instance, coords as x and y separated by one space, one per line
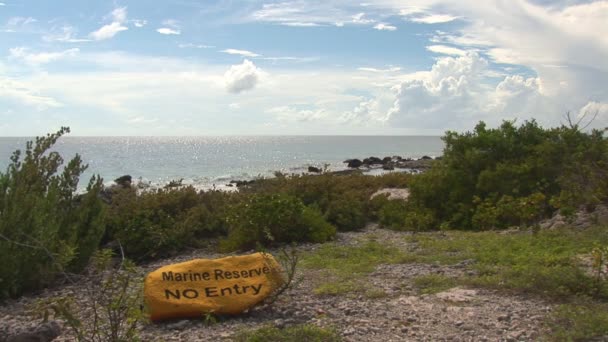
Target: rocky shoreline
401 313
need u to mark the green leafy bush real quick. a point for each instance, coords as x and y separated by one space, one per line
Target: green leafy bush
268 220
496 178
45 228
347 213
162 222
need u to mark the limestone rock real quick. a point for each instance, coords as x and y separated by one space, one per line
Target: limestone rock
228 285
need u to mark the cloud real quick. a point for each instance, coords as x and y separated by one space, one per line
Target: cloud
240 52
446 50
2 4
194 46
118 17
242 77
391 69
385 27
359 19
139 22
26 94
293 114
107 31
168 31
434 19
64 34
22 53
300 24
170 27
15 24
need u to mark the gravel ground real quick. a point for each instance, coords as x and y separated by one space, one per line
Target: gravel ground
399 314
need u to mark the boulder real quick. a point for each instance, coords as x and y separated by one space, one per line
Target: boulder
353 163
124 181
372 161
425 158
386 160
314 169
228 285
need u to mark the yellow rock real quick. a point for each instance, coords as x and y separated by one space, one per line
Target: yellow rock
223 286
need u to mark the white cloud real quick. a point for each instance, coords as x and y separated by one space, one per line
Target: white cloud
64 34
118 17
300 24
359 19
446 50
194 46
15 24
434 19
22 53
391 69
2 4
26 94
385 27
170 27
139 22
240 52
234 106
292 114
107 31
168 31
119 14
242 77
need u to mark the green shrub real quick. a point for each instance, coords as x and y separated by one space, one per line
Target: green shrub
269 220
347 213
45 228
495 178
163 222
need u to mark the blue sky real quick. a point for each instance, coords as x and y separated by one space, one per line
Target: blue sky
298 67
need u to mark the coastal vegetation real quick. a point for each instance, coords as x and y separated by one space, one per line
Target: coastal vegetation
480 205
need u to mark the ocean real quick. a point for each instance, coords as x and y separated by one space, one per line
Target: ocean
205 162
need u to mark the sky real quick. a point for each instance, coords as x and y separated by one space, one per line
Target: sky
318 67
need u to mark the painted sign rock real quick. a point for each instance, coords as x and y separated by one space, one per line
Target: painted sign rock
223 286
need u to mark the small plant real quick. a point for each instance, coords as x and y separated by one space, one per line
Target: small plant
599 256
115 299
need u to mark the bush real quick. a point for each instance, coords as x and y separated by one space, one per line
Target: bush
269 220
45 229
163 222
496 178
347 213
114 296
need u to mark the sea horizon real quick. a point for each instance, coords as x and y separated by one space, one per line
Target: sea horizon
207 162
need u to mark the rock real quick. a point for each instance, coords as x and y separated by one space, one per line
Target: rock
314 169
425 158
386 160
228 285
372 161
353 163
388 167
44 333
123 181
457 295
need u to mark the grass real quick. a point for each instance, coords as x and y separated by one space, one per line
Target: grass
578 322
296 333
345 267
543 263
433 283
